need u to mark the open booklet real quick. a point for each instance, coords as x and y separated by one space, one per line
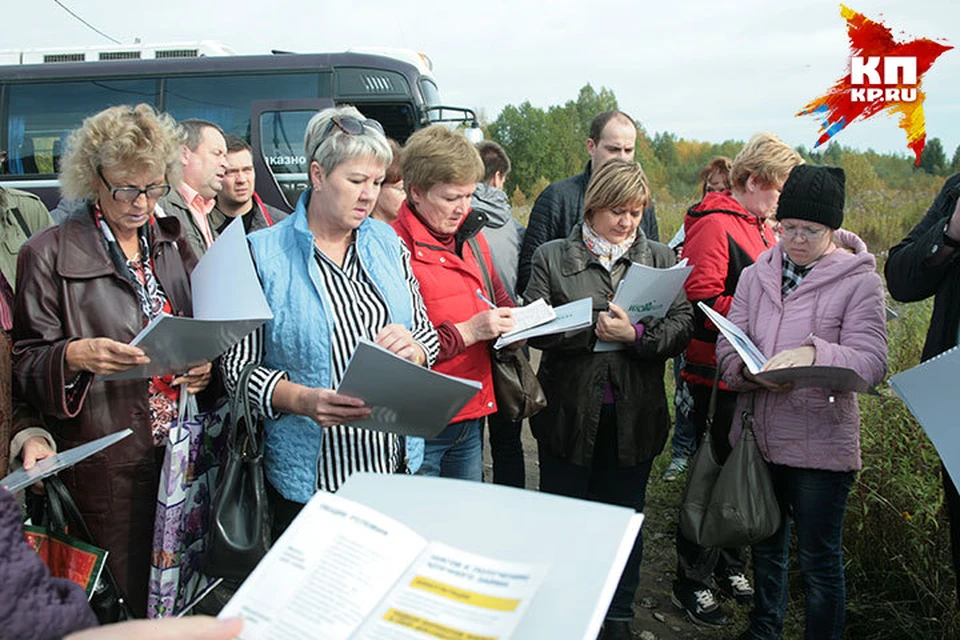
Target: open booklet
531 315
834 378
647 292
406 399
228 303
928 391
569 317
343 570
470 560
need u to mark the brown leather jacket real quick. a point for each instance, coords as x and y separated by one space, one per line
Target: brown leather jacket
67 289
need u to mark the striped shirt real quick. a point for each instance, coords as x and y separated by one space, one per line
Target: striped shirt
359 312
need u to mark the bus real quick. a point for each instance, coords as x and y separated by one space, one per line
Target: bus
265 99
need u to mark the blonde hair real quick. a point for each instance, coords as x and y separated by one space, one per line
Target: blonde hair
617 183
128 140
436 155
765 157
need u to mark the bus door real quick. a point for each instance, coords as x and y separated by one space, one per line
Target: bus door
276 135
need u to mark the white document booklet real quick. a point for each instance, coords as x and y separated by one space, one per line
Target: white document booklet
406 398
569 317
342 570
928 391
531 315
647 292
835 378
228 303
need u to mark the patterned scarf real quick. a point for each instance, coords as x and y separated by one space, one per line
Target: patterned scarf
793 275
153 301
606 252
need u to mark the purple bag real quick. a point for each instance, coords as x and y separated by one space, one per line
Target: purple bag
187 480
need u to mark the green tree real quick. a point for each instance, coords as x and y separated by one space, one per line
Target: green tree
933 160
955 164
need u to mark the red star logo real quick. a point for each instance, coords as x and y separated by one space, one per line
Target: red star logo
851 99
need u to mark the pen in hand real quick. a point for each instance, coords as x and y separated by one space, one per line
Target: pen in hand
485 299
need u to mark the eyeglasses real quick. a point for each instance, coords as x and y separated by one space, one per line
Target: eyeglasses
350 125
396 186
130 194
799 232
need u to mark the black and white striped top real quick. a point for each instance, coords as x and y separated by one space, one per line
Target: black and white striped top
359 313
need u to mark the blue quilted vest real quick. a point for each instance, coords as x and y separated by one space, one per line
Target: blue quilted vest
297 339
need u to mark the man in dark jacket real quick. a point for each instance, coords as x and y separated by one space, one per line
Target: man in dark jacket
237 197
927 263
504 235
613 134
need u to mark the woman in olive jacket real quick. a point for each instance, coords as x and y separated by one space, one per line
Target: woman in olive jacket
606 418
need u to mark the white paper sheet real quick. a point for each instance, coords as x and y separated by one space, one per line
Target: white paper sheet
570 317
20 479
647 292
406 398
228 304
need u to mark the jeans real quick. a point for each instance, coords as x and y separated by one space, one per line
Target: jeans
697 565
506 451
684 441
456 453
816 501
604 481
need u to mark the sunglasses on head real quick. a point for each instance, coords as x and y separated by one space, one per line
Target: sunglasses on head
350 125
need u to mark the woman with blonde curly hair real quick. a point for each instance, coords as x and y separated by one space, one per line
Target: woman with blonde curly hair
85 289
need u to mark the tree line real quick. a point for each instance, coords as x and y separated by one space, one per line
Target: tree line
546 145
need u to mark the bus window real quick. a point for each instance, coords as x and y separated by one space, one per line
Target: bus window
226 100
281 143
431 94
41 115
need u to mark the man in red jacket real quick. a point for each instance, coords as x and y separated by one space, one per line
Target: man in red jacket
725 233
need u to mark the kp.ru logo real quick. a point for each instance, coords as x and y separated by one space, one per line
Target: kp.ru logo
897 71
883 76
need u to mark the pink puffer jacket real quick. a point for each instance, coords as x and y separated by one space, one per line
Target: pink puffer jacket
839 309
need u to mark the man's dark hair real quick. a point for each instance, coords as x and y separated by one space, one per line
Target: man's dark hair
193 131
494 159
236 143
600 121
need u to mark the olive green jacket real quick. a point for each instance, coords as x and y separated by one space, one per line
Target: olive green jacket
34 217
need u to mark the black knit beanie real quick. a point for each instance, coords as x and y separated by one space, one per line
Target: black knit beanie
815 194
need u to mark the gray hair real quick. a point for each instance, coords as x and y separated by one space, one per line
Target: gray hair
325 143
193 131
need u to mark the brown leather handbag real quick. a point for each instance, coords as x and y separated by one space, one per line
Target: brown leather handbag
515 385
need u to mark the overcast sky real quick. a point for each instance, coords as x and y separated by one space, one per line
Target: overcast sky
698 69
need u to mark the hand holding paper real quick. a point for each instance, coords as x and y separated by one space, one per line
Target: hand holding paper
615 326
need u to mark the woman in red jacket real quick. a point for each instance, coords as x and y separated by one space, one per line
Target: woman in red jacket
440 169
725 232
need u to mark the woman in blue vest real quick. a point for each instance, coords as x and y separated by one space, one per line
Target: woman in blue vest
332 276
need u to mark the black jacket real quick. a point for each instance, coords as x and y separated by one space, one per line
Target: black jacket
556 211
919 267
574 377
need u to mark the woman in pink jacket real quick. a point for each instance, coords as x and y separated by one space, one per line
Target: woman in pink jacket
814 298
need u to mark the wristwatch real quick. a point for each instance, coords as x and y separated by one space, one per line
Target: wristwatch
947 240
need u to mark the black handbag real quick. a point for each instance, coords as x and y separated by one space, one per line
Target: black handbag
515 385
731 504
240 521
57 511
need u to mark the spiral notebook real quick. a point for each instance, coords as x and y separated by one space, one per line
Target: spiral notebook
928 391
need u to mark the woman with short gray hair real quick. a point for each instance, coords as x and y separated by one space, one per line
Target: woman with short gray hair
332 276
